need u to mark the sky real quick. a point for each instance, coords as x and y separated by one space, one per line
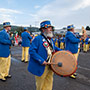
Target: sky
60 12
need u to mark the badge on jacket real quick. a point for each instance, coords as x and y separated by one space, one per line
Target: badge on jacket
45 44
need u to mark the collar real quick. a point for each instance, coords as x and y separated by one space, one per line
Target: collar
5 30
71 32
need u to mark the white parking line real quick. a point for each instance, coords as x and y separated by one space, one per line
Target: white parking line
83 68
16 60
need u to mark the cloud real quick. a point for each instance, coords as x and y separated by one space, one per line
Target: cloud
5 18
37 6
56 11
9 11
83 4
59 12
9 1
8 15
62 13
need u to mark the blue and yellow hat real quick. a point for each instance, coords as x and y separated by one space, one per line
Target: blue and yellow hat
6 24
45 24
70 27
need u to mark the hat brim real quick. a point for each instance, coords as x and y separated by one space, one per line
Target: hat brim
7 26
44 27
70 28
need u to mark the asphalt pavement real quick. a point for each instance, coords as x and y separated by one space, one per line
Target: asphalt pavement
23 80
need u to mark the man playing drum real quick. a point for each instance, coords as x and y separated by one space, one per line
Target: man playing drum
41 51
71 42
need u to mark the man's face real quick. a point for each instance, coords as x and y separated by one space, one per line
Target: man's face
48 32
8 28
73 30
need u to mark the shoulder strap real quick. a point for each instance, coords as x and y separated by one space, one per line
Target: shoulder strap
47 41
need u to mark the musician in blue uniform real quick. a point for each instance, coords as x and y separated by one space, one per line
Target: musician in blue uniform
71 43
55 40
59 40
41 51
86 45
25 45
5 57
62 42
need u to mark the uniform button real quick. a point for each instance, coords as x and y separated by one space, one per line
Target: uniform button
39 60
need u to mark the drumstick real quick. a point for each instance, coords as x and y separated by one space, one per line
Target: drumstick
59 64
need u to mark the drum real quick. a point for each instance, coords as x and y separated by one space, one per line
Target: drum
63 63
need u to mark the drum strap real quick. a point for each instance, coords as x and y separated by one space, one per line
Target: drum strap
49 49
47 41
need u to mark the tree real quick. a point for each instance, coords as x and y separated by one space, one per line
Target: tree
87 28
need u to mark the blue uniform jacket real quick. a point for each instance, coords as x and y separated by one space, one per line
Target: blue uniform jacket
71 42
86 41
54 40
5 44
62 39
38 55
26 39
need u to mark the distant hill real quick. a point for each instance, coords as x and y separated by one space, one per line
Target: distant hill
20 29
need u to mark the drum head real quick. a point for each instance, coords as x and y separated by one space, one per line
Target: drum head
69 63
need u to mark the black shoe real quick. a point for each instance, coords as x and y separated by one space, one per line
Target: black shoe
75 74
85 51
4 79
9 76
22 60
26 61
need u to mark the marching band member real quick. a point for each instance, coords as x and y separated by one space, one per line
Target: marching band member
55 41
79 44
25 45
71 42
41 51
5 57
86 45
59 40
88 42
62 41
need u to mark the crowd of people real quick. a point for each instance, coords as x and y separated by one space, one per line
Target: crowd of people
40 49
83 45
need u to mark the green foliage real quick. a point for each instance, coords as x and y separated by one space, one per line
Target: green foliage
20 29
87 28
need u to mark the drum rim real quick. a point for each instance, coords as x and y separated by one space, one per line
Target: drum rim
64 75
68 74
